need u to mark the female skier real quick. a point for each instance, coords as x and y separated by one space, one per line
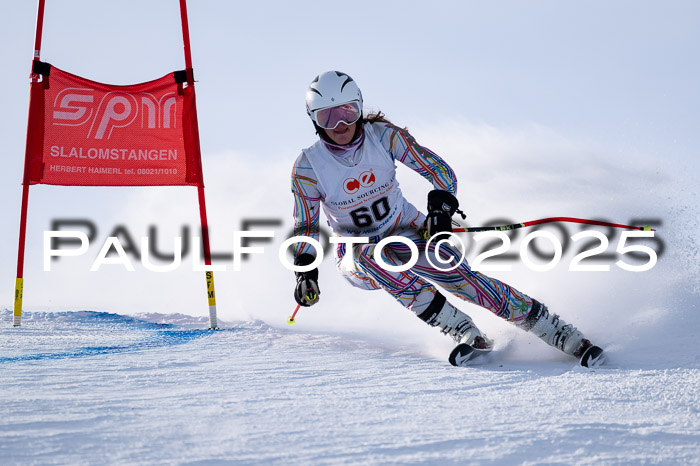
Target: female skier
351 172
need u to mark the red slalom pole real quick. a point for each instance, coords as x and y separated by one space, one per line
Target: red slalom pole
290 319
211 296
551 220
186 35
19 280
39 30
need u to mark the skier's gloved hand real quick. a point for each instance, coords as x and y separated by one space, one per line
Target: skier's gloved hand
441 206
306 291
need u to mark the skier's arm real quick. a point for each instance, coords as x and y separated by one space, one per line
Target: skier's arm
307 202
442 203
403 147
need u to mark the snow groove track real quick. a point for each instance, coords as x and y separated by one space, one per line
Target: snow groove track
90 333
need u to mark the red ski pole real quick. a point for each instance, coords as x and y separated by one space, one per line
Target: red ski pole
550 220
290 319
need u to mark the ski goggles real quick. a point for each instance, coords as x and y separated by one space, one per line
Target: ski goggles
330 117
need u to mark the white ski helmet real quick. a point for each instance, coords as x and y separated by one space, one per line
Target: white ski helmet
332 89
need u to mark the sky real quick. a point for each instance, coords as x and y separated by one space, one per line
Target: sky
543 108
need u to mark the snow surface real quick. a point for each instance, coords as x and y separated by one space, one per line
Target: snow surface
96 387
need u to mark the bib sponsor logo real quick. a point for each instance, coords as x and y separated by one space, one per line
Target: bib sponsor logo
351 185
365 180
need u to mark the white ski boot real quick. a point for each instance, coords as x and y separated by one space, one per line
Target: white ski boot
557 333
453 322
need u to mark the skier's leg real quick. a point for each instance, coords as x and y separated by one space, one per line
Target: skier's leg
504 301
554 331
412 291
364 272
453 322
498 297
417 294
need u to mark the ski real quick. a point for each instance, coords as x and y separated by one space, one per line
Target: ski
463 354
593 356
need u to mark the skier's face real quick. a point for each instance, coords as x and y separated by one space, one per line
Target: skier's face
342 134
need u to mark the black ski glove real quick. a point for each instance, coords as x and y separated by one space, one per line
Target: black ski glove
306 291
441 206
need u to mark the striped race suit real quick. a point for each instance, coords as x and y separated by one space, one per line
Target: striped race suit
360 196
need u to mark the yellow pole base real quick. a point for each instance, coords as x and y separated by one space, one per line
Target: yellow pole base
17 313
211 296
